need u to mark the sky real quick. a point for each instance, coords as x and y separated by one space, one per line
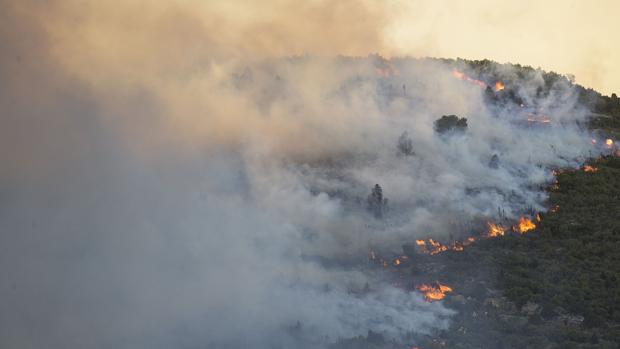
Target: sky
568 36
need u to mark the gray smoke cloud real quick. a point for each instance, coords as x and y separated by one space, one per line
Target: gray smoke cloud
225 207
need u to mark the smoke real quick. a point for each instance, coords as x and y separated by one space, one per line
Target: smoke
161 187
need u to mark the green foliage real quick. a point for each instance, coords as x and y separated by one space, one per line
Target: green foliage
450 123
572 260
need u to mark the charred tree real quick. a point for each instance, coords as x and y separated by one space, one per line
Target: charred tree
377 204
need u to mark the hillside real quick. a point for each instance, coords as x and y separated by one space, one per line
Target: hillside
557 286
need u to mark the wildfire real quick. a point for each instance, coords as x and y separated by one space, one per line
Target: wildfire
494 230
588 168
525 225
461 76
398 261
539 119
434 292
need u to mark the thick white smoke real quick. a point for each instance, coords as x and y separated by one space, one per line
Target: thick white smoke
224 204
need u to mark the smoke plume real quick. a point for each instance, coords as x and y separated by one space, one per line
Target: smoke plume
162 187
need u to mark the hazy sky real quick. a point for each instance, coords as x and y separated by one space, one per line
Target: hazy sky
568 36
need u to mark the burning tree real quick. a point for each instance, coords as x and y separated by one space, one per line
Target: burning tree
450 123
376 202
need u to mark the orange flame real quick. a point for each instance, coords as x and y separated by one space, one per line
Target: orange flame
588 168
540 119
495 230
434 292
609 143
525 225
461 76
499 86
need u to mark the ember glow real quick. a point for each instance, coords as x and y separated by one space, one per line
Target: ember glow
525 225
434 291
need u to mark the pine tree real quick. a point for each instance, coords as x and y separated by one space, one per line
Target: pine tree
376 202
405 144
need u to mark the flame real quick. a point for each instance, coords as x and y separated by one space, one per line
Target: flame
525 225
461 76
495 230
609 143
538 218
469 241
437 246
457 74
435 291
420 242
499 86
386 69
588 168
540 119
397 262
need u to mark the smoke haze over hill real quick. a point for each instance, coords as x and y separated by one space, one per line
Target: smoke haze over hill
168 183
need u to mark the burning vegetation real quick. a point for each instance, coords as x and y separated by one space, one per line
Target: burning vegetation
434 291
588 168
433 247
494 230
538 119
497 86
525 225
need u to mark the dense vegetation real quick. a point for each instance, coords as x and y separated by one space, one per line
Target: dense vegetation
571 263
569 267
605 109
559 285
